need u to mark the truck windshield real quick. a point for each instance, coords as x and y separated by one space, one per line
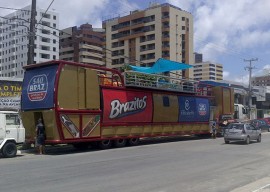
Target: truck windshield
12 119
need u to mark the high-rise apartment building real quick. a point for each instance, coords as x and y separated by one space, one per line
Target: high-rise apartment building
208 71
142 37
14 34
82 44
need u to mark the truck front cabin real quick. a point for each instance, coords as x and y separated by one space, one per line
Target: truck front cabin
81 103
11 133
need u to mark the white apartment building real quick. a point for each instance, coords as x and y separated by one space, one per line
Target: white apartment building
14 33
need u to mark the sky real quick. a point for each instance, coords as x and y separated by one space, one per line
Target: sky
225 31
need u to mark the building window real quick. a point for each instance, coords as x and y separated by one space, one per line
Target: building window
45 23
45 56
48 16
45 40
165 15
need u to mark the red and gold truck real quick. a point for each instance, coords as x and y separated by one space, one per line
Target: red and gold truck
81 104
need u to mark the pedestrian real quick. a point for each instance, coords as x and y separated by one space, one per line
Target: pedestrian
214 130
40 137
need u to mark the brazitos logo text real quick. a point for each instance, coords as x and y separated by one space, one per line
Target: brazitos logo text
119 109
37 88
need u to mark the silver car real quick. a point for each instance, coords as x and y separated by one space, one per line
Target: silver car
242 132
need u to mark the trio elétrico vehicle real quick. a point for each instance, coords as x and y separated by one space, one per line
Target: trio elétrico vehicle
82 104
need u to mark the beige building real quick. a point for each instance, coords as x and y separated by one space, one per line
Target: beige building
208 71
82 44
142 37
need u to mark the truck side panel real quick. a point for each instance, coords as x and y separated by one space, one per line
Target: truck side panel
78 88
121 106
68 94
166 108
30 120
224 100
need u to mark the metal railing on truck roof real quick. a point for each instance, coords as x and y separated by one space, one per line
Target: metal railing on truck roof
162 82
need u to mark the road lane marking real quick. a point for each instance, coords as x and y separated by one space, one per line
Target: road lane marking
256 186
261 188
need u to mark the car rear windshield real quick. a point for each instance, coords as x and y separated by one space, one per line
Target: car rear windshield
236 126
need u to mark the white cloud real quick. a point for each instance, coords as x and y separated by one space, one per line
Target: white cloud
241 79
266 67
226 74
230 24
93 11
264 71
75 13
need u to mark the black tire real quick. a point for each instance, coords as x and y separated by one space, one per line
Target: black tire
120 143
105 144
9 150
81 146
133 141
259 139
248 140
226 141
268 129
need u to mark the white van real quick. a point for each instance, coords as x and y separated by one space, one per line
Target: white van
12 132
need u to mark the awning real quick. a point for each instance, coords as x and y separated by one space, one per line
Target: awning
161 66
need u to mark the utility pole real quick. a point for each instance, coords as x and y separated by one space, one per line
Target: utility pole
250 68
32 34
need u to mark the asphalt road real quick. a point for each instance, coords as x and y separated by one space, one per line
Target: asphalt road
188 165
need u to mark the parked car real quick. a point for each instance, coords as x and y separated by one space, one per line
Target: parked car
261 124
267 119
242 132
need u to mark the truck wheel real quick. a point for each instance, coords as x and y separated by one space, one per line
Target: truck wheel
133 141
9 150
105 144
120 143
226 141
